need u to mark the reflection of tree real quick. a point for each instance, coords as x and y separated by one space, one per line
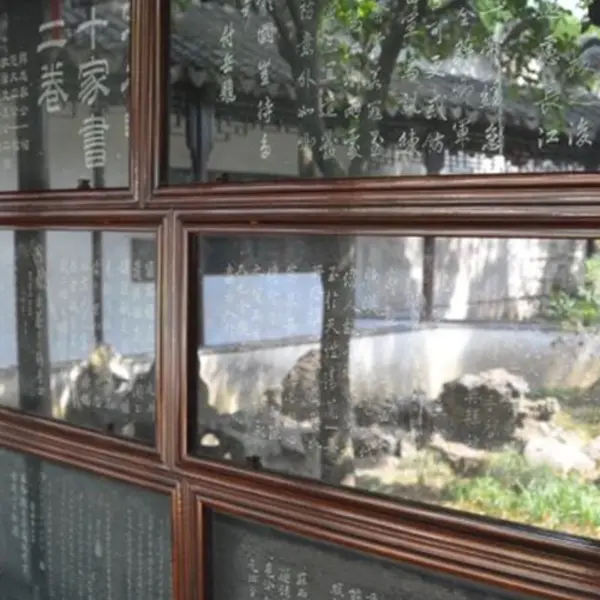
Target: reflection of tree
359 38
346 58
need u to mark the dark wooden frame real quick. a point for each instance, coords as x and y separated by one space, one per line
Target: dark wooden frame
566 205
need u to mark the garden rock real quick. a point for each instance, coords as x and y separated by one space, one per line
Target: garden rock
560 457
373 445
463 460
300 388
299 399
415 413
486 410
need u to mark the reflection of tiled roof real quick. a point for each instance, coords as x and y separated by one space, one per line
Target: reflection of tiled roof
195 44
196 50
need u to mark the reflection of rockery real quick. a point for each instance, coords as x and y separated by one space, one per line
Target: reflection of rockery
109 392
283 432
474 420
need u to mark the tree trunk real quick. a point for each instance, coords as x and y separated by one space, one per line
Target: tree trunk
335 409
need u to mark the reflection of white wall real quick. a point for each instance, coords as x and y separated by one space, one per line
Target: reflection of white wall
493 278
488 279
128 307
397 363
254 308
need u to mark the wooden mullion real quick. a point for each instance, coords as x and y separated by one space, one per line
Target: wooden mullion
143 96
524 561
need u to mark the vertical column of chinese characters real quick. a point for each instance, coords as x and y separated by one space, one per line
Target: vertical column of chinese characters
464 94
125 36
227 88
93 82
494 132
307 78
14 91
354 100
434 109
549 105
266 39
580 136
52 96
408 143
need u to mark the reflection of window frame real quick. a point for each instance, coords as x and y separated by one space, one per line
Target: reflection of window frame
556 205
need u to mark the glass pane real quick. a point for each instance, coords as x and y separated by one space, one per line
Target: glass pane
64 85
252 560
77 334
272 89
69 534
462 372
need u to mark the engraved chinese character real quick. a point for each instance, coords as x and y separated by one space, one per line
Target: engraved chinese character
306 46
408 142
306 142
93 74
265 147
547 137
434 142
376 144
226 39
227 91
581 136
351 143
550 101
227 64
269 576
265 110
52 95
302 586
266 34
374 111
56 41
305 111
307 10
305 79
93 132
92 24
264 68
284 583
461 131
327 146
493 138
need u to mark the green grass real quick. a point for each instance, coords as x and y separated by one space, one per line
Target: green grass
510 489
514 491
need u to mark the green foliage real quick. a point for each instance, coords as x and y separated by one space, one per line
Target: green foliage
515 491
581 308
